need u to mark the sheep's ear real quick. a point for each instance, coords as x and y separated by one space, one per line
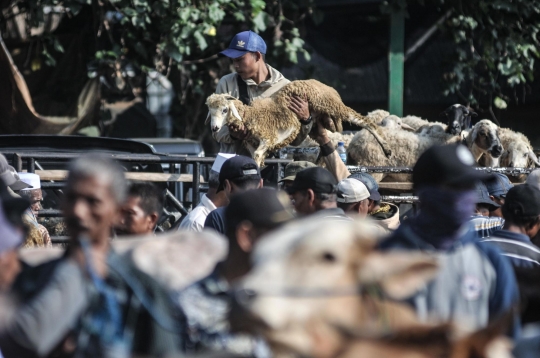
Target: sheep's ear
407 127
207 119
234 111
230 98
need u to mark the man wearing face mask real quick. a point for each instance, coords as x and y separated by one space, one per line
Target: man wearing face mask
475 284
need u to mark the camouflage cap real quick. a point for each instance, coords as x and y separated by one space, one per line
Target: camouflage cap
293 168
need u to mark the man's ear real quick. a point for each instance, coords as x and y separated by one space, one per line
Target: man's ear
154 217
400 275
310 196
243 237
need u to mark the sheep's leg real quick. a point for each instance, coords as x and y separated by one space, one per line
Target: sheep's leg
260 153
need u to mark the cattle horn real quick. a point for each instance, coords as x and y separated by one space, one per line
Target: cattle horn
534 158
207 119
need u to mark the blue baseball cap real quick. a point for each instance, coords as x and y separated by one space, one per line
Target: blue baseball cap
498 186
482 196
244 42
370 183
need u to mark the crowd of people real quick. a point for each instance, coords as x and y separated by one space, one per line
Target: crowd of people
93 301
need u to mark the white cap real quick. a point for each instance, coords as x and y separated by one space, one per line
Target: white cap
220 159
351 191
30 179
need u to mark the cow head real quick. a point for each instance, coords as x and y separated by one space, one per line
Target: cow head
221 107
325 271
485 136
458 118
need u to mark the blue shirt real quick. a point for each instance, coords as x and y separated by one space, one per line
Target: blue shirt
517 247
475 282
216 220
485 226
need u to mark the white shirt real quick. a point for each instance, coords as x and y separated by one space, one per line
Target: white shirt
194 221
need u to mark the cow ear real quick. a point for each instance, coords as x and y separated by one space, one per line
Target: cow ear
400 275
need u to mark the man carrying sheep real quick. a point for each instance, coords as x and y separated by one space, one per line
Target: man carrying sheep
253 79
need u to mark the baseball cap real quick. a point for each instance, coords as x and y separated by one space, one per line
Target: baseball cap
264 207
11 178
243 42
523 200
482 196
293 168
238 167
317 179
31 179
351 191
370 183
447 165
499 186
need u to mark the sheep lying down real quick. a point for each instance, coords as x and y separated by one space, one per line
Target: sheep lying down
272 125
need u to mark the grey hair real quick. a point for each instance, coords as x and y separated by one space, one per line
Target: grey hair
213 179
98 165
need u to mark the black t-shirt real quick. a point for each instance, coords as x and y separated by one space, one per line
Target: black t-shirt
216 220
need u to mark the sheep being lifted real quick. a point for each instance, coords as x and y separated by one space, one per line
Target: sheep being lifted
272 125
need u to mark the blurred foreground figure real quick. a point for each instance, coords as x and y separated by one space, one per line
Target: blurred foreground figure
206 304
142 210
475 284
91 302
319 288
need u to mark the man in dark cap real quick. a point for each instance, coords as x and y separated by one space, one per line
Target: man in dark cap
483 224
237 175
253 79
475 283
291 170
206 303
497 190
386 215
521 211
314 191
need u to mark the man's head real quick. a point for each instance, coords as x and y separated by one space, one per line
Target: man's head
522 209
353 197
447 166
142 209
484 204
312 190
253 213
94 193
247 51
33 192
497 189
373 188
291 170
534 178
239 174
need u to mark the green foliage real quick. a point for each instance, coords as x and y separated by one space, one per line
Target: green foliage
497 46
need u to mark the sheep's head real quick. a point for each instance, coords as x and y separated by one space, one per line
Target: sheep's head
220 109
519 154
394 122
485 134
458 118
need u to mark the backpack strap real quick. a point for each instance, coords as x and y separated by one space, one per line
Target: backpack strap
243 91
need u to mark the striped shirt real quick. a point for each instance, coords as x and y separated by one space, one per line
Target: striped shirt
485 226
517 247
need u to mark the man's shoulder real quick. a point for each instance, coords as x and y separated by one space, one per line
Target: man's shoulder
216 220
198 215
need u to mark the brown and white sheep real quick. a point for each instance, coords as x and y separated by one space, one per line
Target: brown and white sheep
272 125
407 147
